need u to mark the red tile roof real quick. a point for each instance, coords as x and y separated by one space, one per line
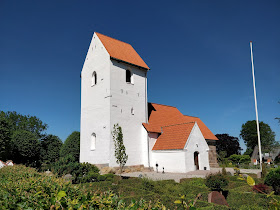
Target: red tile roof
122 51
178 126
174 137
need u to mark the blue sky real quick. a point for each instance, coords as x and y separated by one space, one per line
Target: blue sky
198 52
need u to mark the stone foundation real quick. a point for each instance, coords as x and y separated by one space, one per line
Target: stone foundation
126 169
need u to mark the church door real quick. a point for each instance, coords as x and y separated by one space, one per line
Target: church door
196 161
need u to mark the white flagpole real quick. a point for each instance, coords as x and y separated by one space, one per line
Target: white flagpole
256 106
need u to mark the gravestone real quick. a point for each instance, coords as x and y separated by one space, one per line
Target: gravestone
217 198
67 177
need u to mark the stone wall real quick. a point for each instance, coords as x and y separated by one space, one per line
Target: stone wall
213 162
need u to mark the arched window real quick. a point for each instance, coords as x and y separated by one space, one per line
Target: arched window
93 141
132 111
94 79
129 76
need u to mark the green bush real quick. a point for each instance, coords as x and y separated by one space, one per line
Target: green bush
224 172
81 172
24 188
216 182
273 179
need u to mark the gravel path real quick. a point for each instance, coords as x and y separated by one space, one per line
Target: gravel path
177 176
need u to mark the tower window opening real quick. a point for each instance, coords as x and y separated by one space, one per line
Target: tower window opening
129 76
93 141
94 79
132 111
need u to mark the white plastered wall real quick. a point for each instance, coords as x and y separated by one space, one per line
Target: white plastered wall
95 104
124 97
196 143
181 161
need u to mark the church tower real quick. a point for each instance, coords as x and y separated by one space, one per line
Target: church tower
113 90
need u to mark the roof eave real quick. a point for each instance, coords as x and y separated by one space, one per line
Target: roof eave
141 67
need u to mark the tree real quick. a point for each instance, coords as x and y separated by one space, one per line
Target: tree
229 144
25 148
25 122
249 134
4 138
120 154
237 159
50 148
71 146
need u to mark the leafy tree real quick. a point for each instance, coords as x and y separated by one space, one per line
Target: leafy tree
237 159
25 122
50 148
229 144
71 146
25 147
249 152
249 134
120 154
4 138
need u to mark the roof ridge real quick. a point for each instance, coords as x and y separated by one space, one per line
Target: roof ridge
177 124
163 104
190 116
112 38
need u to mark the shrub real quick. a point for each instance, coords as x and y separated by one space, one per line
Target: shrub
216 182
224 172
273 179
79 171
261 187
24 188
148 184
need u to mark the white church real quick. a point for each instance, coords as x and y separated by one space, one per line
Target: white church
114 90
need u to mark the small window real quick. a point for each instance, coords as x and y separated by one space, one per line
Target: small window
128 76
93 141
132 111
94 79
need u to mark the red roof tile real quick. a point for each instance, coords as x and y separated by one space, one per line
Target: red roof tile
162 115
174 137
121 51
203 128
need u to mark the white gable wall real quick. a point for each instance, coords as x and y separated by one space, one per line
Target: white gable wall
126 96
181 161
95 104
196 143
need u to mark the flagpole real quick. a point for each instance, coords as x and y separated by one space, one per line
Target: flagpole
256 106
